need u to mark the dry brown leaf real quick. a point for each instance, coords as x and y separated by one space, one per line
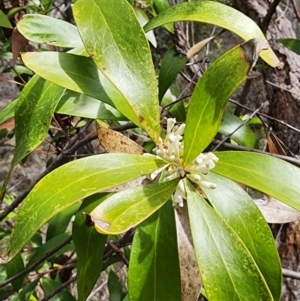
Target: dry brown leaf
8 124
18 42
190 278
115 142
194 50
276 212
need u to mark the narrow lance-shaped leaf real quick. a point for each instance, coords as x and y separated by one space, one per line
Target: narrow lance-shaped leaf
70 183
217 14
74 72
267 174
291 44
4 22
227 269
171 64
210 95
154 273
130 207
48 30
89 246
33 114
14 267
238 210
118 45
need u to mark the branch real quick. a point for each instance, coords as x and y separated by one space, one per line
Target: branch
58 289
266 21
294 161
291 274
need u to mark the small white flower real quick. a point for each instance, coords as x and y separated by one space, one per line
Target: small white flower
170 149
179 195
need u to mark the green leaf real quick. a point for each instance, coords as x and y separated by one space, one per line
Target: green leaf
14 267
8 112
227 269
72 182
130 207
89 246
265 173
154 273
75 104
117 44
74 72
160 6
4 22
217 14
59 223
50 285
210 95
48 30
239 211
114 287
33 114
291 44
171 64
243 136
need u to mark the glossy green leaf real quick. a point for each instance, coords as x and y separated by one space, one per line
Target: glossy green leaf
74 72
114 287
171 64
76 104
243 136
4 22
8 112
291 44
160 6
59 223
71 182
114 39
130 207
154 273
210 95
217 14
48 30
33 114
267 174
239 211
89 246
50 285
227 269
14 267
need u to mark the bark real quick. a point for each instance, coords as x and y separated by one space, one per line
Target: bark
284 105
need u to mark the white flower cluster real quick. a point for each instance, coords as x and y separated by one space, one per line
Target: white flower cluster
171 150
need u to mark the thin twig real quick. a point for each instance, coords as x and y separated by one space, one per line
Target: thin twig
243 148
118 251
241 125
291 274
266 21
58 289
266 116
296 9
37 263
